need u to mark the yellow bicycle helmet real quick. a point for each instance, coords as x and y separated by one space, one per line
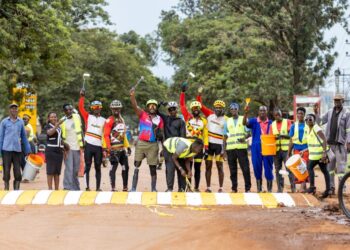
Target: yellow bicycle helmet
195 104
151 101
219 104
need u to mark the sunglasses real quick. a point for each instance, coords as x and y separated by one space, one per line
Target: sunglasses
171 109
309 119
96 107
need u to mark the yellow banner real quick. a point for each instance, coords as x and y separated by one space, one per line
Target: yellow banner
27 105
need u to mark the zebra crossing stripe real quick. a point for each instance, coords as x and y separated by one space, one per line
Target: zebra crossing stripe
85 198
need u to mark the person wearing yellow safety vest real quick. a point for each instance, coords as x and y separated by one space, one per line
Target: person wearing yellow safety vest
298 140
72 135
280 129
182 151
317 144
31 138
236 146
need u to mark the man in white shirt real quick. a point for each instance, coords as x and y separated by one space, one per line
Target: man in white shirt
72 135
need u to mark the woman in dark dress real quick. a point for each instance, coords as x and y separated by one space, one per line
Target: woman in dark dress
54 150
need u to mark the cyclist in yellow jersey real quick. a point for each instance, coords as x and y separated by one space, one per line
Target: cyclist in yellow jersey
196 127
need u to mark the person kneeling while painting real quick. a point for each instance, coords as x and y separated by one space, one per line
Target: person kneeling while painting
182 151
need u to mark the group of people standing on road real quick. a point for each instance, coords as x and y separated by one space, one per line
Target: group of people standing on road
203 134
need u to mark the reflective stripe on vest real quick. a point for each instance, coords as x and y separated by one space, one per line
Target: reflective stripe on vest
315 148
296 134
171 143
77 127
235 132
281 143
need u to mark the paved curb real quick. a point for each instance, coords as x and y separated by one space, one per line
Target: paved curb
63 197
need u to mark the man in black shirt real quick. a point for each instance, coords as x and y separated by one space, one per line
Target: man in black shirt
338 136
174 126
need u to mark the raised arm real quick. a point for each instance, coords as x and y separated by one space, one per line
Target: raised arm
82 110
136 108
183 108
206 111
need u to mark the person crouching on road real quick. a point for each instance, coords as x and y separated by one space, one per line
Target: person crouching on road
317 144
182 151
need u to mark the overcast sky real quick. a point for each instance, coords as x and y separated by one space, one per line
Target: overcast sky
142 16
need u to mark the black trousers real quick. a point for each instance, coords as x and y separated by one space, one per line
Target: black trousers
119 157
170 170
323 166
9 158
240 155
92 151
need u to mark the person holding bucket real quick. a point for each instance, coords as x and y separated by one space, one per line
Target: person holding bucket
280 129
298 141
12 135
54 150
317 144
260 126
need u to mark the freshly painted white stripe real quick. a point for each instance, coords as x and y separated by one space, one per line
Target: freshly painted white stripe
103 198
164 198
252 199
11 197
134 198
284 198
223 199
41 197
72 197
193 199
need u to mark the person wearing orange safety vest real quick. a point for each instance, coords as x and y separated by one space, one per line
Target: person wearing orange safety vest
117 143
280 129
216 119
94 141
196 127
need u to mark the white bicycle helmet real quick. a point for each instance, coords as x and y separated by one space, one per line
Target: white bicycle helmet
116 104
172 105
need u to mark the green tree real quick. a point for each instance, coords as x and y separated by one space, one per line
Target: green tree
268 50
297 29
36 39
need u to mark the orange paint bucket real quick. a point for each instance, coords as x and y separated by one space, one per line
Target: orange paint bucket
32 167
298 167
268 145
35 160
